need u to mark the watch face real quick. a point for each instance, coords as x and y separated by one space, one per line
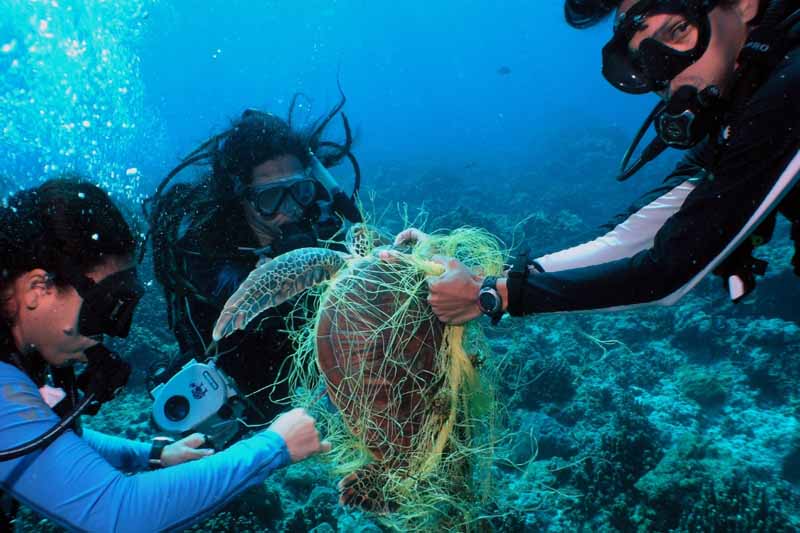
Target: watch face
487 302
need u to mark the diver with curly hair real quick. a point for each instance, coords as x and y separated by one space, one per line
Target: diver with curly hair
267 191
728 74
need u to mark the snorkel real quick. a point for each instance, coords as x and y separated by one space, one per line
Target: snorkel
340 202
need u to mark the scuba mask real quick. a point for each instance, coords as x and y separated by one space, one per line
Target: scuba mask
267 199
108 306
321 201
673 47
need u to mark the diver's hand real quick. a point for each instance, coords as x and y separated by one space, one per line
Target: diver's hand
185 450
407 236
300 435
410 236
454 294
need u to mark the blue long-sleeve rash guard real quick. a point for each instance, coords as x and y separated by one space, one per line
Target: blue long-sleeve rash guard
81 482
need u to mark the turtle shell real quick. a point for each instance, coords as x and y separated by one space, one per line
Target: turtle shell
377 347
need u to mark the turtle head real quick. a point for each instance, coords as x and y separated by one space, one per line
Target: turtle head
364 239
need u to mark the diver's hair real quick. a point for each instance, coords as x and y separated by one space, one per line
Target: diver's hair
64 225
585 13
253 139
257 137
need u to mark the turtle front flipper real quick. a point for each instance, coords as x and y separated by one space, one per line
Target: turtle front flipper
275 282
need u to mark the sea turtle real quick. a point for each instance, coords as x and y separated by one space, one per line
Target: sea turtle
377 345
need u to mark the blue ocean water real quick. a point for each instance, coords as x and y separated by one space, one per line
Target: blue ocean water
421 77
422 80
485 112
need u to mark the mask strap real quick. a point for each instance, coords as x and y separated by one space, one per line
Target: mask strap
82 283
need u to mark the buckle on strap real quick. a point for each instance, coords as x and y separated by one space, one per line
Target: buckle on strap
517 276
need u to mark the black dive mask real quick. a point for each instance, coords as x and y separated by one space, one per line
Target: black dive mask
267 199
108 306
669 50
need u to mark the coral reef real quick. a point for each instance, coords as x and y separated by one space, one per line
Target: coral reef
672 419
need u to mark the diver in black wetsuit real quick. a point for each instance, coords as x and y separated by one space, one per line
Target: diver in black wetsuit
728 72
267 192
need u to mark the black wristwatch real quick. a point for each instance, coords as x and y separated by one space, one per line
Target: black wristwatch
489 300
159 443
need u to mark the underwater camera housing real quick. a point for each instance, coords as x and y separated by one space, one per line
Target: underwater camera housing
199 398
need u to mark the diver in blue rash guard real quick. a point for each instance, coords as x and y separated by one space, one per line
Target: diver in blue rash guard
728 73
66 279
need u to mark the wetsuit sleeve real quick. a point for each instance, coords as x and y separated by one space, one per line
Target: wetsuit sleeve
73 485
123 454
753 162
634 229
631 235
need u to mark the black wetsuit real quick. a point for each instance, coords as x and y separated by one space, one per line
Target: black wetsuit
715 198
216 257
